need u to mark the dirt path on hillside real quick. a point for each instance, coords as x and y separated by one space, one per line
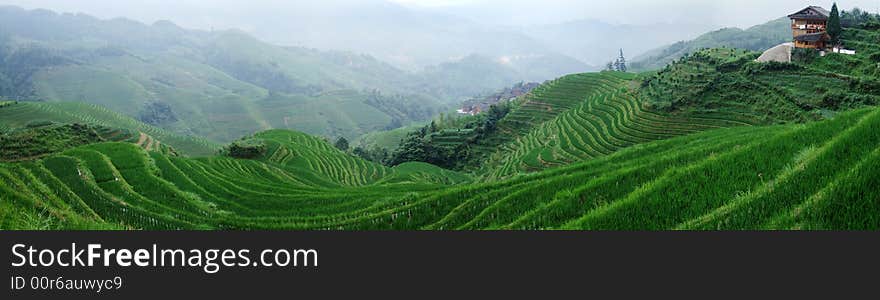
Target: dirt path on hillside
154 145
141 139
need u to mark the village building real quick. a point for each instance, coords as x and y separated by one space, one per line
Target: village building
809 28
478 105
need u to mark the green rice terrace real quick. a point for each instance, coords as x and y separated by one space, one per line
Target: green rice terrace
715 141
20 114
820 175
603 162
600 115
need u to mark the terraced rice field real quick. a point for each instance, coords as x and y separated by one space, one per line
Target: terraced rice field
820 175
582 152
451 138
598 114
20 114
291 150
729 82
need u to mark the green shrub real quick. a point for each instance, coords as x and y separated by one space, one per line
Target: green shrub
867 86
738 63
803 55
754 68
871 25
841 100
247 148
342 144
874 57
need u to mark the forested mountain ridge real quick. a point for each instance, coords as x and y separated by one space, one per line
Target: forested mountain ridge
226 84
756 38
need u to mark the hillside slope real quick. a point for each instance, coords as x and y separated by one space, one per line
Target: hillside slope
220 85
42 138
599 114
15 115
215 85
727 81
583 116
673 149
757 38
819 175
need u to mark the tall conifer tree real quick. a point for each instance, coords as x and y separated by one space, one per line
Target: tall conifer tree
834 28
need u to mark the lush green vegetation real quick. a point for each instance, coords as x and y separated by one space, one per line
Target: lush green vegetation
608 117
818 175
20 114
584 116
861 19
580 152
387 139
245 148
450 145
729 82
586 151
862 67
757 38
41 138
226 84
712 141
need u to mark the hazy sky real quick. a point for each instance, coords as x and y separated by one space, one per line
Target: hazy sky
739 13
213 13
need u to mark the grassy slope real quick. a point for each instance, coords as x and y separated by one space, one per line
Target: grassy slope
727 81
616 164
330 114
599 161
757 38
217 83
389 139
863 64
20 114
207 101
606 117
584 116
790 176
816 175
38 140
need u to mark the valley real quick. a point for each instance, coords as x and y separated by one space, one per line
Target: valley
770 181
237 136
222 85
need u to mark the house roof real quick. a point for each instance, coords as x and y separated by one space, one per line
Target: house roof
812 37
811 13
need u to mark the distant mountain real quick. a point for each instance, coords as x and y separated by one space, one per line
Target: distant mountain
226 84
407 38
596 42
757 38
469 76
411 38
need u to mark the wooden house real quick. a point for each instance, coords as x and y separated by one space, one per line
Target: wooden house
809 28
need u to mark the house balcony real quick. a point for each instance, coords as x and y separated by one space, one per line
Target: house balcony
817 27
